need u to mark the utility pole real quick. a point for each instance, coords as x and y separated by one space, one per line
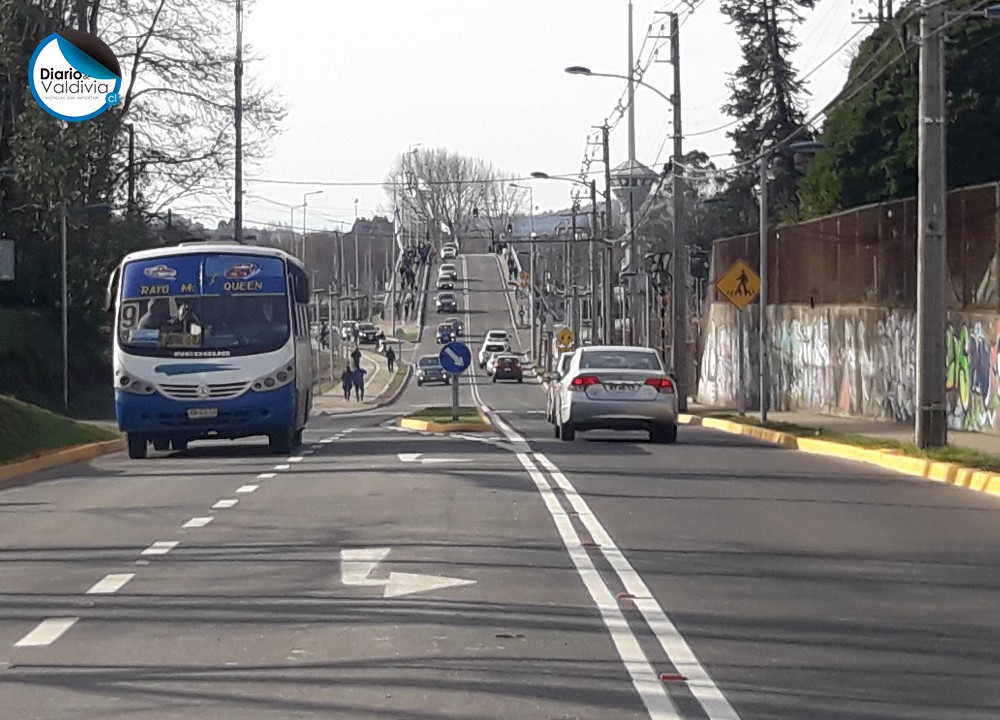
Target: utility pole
592 249
765 394
932 235
238 213
609 318
678 285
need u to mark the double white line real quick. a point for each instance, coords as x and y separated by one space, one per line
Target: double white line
645 679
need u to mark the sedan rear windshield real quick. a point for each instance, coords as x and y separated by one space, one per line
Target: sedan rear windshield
620 360
426 362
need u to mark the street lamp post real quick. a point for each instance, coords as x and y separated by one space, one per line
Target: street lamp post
593 232
531 269
305 204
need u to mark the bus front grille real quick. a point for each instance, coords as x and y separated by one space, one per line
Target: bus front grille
218 391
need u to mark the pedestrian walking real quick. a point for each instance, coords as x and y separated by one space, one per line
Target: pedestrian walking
356 356
346 381
390 359
359 383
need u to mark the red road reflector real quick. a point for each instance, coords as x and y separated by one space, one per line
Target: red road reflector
672 677
590 546
626 596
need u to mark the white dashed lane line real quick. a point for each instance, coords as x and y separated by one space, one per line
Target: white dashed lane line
265 476
110 584
161 547
47 632
223 504
198 522
281 467
244 489
295 459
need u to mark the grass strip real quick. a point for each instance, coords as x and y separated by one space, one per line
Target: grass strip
442 414
949 453
27 431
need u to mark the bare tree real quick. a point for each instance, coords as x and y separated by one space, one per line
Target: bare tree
447 189
178 59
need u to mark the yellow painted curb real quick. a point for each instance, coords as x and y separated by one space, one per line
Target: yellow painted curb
890 458
429 426
55 458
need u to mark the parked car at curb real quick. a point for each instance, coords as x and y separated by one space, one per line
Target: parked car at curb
611 387
458 325
445 283
448 270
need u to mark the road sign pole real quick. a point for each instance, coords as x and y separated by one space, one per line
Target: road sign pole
741 395
454 398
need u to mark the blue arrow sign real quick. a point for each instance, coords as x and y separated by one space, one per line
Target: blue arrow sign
455 357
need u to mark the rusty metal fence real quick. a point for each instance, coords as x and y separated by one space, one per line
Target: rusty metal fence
868 255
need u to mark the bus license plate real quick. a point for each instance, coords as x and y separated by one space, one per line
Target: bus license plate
202 413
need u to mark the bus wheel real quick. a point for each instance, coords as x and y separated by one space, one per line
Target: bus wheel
280 442
161 444
180 445
136 446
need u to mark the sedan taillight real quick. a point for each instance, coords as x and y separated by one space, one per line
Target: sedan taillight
582 382
662 384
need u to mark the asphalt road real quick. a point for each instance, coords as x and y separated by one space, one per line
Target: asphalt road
383 573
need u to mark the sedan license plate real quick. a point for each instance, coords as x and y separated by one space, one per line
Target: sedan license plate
202 413
619 387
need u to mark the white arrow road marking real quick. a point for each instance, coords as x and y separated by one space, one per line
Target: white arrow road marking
407 583
455 357
358 563
418 457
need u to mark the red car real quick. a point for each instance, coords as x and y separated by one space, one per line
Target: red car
506 367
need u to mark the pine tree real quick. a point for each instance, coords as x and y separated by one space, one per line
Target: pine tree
765 99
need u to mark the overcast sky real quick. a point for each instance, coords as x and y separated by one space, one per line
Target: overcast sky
363 81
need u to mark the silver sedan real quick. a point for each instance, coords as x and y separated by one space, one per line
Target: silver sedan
617 388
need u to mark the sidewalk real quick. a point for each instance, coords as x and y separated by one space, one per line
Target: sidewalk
379 383
987 443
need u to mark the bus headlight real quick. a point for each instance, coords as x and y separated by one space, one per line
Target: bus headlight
278 378
133 386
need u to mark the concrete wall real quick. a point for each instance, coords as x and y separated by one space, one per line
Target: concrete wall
852 360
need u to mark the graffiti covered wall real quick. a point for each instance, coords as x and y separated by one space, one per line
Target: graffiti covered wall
851 360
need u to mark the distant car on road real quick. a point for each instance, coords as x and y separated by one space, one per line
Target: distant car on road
497 336
367 333
612 387
446 302
458 325
491 348
445 333
449 252
506 367
448 270
445 283
429 370
348 329
555 379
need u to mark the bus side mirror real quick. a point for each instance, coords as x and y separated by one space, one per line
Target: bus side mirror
109 294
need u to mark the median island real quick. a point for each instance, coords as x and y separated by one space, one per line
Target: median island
440 419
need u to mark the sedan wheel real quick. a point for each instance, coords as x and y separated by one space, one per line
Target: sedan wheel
568 432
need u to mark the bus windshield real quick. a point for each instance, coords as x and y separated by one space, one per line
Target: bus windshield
203 305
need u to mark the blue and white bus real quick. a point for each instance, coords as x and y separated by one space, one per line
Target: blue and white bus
211 340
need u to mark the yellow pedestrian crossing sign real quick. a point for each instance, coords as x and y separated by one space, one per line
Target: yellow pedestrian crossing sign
524 278
740 284
565 337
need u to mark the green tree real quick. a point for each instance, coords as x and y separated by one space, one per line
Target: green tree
871 135
765 98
